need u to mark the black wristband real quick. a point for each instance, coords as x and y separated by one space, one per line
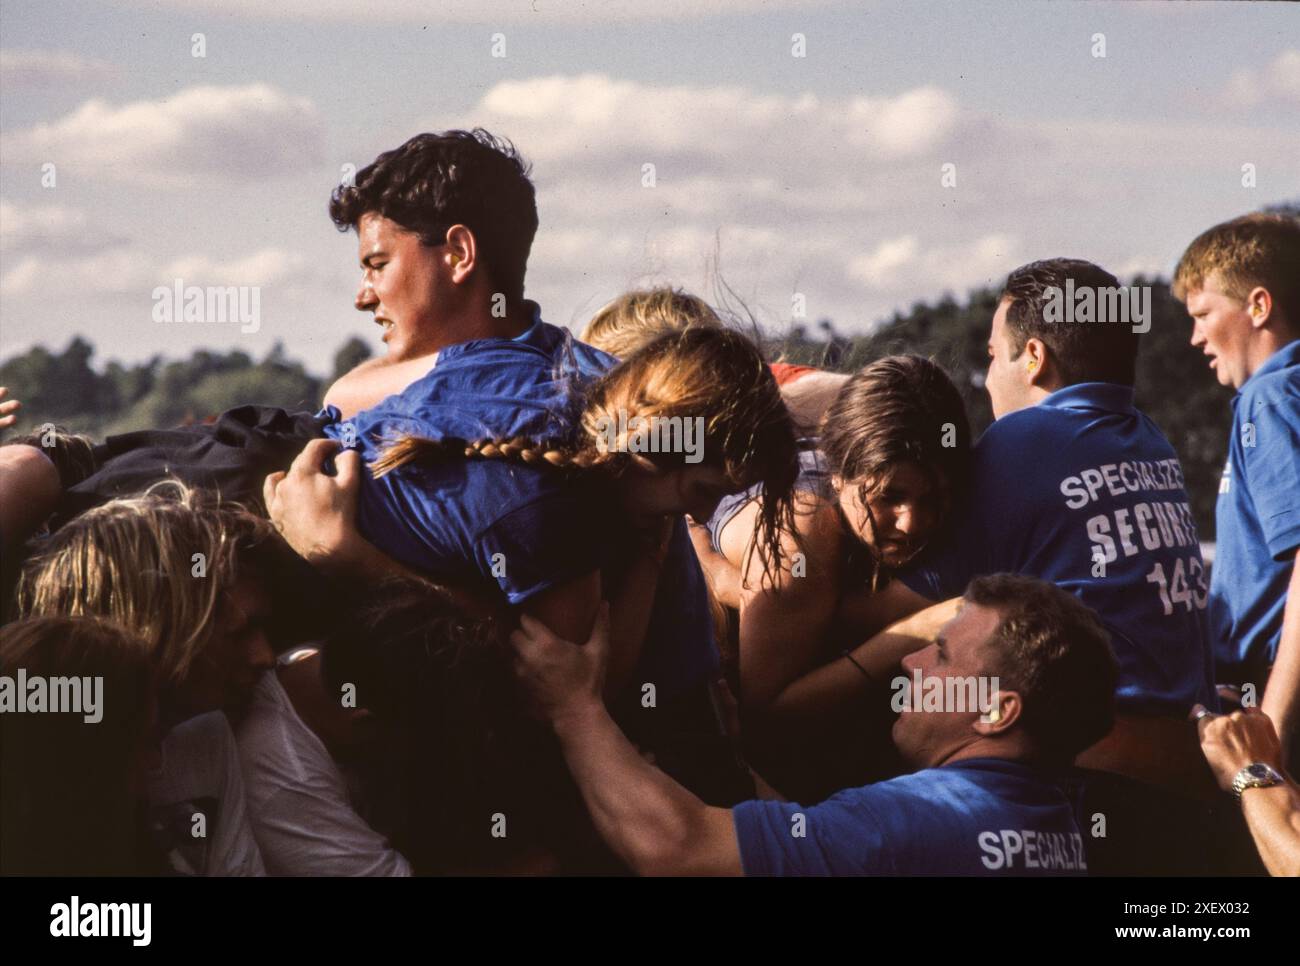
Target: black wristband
851 660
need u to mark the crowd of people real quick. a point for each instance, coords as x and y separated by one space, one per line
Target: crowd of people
515 602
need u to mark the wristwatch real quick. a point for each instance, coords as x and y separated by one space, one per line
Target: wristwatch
1255 775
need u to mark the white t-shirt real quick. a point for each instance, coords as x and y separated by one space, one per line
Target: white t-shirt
298 799
196 801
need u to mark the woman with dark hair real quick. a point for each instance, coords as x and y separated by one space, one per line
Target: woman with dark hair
894 447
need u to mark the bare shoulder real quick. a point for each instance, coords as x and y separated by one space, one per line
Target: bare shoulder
816 521
374 380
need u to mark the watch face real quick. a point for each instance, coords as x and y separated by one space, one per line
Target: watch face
1258 770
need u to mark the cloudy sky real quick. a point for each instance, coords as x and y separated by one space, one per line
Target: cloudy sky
820 174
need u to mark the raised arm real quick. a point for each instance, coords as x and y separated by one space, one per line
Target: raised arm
655 825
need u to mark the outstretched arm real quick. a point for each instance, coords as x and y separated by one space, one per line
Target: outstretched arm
655 825
317 515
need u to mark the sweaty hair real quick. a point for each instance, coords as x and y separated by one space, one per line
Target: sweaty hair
1253 250
67 803
898 409
1102 351
715 374
636 318
1053 651
133 561
435 181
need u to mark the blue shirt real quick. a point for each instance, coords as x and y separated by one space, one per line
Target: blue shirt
522 527
980 816
1258 514
813 477
1085 491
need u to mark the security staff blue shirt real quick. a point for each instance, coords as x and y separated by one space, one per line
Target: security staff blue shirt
524 528
980 816
1257 516
1085 491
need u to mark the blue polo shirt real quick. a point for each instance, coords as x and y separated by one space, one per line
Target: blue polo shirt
1085 491
981 816
524 528
1258 516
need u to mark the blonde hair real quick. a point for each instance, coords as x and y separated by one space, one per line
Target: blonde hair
1253 250
716 374
636 318
134 561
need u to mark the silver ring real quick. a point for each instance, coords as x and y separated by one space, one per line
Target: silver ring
1205 713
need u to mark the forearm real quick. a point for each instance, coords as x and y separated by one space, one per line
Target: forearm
871 613
723 576
364 563
652 823
1282 694
873 664
356 558
1273 815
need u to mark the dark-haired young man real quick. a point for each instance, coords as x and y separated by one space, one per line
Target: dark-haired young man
1073 484
444 226
984 802
1241 283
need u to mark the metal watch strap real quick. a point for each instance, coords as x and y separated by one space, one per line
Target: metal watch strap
1246 779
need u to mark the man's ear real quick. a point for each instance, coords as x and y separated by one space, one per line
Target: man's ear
1003 713
1259 304
1036 361
461 252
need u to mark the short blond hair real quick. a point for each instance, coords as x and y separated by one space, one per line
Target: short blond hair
1253 250
133 561
636 318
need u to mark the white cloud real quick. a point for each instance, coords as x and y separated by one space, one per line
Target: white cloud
880 266
1276 81
49 228
592 119
776 192
128 271
504 12
29 69
200 133
897 266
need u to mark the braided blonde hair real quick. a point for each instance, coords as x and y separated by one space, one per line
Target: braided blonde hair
717 375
